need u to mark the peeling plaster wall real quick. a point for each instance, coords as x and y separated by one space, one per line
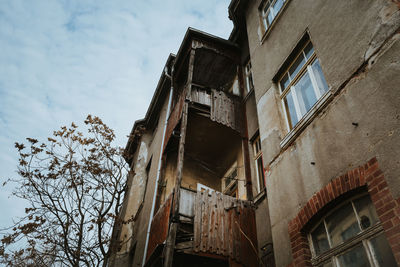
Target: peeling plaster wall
140 228
347 36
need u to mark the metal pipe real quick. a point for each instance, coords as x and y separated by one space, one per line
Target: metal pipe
159 162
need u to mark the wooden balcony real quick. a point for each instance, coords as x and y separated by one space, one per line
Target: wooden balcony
211 225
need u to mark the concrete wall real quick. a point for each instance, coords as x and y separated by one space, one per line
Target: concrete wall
345 34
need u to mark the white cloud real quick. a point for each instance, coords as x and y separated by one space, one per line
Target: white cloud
62 60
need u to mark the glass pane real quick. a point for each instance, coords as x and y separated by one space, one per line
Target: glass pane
382 251
319 76
295 68
342 224
284 82
366 212
270 17
293 120
356 257
320 240
305 93
266 7
278 5
260 171
309 50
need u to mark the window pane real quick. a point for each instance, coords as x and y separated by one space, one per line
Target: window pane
266 7
309 50
270 17
382 251
319 76
278 5
305 93
290 107
295 68
342 224
366 212
260 171
320 240
356 257
284 82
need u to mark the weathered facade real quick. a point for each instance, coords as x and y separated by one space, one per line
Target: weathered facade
277 147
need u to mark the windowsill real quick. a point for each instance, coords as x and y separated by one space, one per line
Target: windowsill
267 32
306 120
259 197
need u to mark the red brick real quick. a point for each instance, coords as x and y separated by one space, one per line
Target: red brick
387 225
372 161
379 204
393 240
393 231
382 185
396 248
316 203
396 220
330 192
362 179
375 181
334 189
313 205
320 201
387 216
378 173
343 184
371 170
387 207
326 194
308 212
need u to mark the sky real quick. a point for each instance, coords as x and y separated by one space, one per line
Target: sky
61 60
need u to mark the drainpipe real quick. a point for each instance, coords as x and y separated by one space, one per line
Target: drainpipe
159 162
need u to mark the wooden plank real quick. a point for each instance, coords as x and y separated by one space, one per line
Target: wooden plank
220 224
197 221
204 221
227 222
213 224
159 226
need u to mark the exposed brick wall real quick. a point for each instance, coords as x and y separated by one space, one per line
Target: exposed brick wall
387 208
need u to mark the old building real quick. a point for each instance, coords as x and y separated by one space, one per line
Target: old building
277 147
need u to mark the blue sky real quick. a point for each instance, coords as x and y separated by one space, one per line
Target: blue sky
61 60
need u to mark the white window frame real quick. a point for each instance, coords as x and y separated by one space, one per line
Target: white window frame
362 238
257 156
248 77
271 9
227 187
300 109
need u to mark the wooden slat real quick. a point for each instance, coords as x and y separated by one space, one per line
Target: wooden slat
213 225
197 221
220 224
204 221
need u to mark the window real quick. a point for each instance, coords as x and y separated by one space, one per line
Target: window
302 84
259 163
230 181
351 235
249 77
269 11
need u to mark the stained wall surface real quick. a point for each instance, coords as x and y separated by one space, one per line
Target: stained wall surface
347 36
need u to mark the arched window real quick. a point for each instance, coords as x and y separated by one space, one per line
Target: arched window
350 235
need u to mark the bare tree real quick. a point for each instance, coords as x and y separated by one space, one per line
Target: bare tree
74 184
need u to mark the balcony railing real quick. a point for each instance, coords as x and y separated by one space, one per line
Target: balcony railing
222 225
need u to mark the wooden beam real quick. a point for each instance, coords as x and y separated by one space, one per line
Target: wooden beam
170 242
